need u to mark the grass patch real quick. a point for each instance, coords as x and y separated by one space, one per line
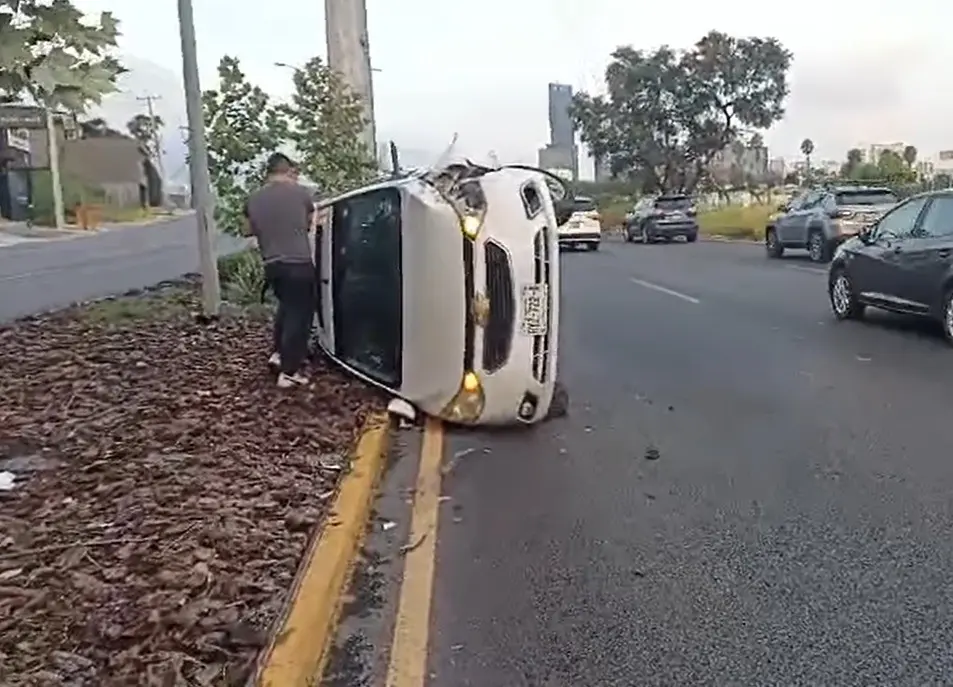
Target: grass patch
737 221
162 304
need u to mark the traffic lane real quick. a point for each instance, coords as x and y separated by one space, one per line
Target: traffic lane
792 530
789 297
57 274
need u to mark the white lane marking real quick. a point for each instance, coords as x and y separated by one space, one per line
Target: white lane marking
662 289
801 268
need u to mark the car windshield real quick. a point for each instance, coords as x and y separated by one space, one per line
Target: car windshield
673 203
583 205
867 196
367 284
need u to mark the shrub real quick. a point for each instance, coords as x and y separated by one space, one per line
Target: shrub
737 221
242 276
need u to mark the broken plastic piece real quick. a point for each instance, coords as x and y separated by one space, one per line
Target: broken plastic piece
402 409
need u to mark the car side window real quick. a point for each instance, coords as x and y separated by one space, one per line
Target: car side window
900 222
938 219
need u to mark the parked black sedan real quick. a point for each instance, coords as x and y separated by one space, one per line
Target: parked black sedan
902 263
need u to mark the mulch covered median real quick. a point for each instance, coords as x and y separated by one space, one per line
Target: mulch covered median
165 491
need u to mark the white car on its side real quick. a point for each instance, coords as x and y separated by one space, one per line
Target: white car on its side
442 287
584 228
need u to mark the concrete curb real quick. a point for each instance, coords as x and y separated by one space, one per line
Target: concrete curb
298 650
728 239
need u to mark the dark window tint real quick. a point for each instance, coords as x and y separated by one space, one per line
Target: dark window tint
673 203
867 197
938 220
583 205
367 284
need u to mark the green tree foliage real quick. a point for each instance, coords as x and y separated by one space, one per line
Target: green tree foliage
667 112
325 121
320 127
910 155
145 129
53 56
891 168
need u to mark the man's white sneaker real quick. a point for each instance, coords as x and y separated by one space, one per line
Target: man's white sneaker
274 362
291 381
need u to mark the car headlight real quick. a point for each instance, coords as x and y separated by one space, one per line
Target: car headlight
467 405
469 202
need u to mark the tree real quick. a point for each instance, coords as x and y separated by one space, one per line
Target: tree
54 57
97 127
325 121
807 149
910 155
145 129
855 158
667 113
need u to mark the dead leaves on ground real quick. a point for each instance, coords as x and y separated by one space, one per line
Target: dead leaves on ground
165 492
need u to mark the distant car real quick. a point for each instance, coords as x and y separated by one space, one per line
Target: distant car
584 228
820 219
902 263
664 217
442 288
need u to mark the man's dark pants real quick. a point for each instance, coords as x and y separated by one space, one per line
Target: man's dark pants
294 285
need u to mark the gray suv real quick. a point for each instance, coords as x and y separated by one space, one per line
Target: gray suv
821 219
664 218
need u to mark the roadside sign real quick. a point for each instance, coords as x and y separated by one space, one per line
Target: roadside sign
19 139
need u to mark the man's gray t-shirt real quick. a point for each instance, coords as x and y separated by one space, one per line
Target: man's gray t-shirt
279 214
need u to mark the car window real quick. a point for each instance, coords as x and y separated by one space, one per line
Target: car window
583 205
867 196
367 284
899 222
810 200
674 203
938 219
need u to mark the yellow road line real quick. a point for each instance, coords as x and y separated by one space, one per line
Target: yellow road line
408 655
299 650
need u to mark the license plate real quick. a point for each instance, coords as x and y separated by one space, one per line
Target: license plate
535 299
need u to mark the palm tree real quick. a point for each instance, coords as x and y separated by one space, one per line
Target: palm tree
910 155
807 148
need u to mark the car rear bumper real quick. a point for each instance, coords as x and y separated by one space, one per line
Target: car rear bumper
671 229
580 237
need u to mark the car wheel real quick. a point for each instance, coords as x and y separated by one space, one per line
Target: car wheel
948 315
691 238
844 303
817 247
594 246
772 244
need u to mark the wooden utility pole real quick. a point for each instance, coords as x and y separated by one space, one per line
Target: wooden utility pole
156 141
350 56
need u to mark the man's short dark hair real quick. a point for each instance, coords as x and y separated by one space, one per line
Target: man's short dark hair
279 163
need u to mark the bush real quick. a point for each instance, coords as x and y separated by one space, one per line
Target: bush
737 221
242 276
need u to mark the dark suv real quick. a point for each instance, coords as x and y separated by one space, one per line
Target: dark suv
663 217
902 263
822 218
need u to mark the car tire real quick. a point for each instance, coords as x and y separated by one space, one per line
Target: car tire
772 244
594 246
817 247
844 303
948 315
691 238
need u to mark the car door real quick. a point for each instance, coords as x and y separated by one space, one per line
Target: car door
793 223
930 254
881 269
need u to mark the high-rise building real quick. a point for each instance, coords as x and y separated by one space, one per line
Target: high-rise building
561 153
561 132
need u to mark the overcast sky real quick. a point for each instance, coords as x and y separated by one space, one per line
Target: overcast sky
864 72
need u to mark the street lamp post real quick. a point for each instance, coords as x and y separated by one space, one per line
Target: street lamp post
202 199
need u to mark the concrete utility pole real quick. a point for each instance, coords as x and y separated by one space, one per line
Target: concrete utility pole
53 149
156 141
202 199
349 55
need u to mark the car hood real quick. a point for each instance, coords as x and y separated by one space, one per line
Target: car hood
433 295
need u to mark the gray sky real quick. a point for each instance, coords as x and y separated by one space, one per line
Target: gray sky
866 72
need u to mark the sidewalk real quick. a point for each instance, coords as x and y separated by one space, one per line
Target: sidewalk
18 232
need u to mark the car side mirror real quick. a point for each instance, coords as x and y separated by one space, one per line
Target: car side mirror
564 211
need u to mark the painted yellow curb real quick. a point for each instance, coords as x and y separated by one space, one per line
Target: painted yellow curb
299 650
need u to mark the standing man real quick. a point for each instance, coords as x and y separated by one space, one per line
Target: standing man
279 216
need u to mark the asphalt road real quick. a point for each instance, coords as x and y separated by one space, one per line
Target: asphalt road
744 493
42 275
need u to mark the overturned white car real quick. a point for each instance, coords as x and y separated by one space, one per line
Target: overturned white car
442 287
